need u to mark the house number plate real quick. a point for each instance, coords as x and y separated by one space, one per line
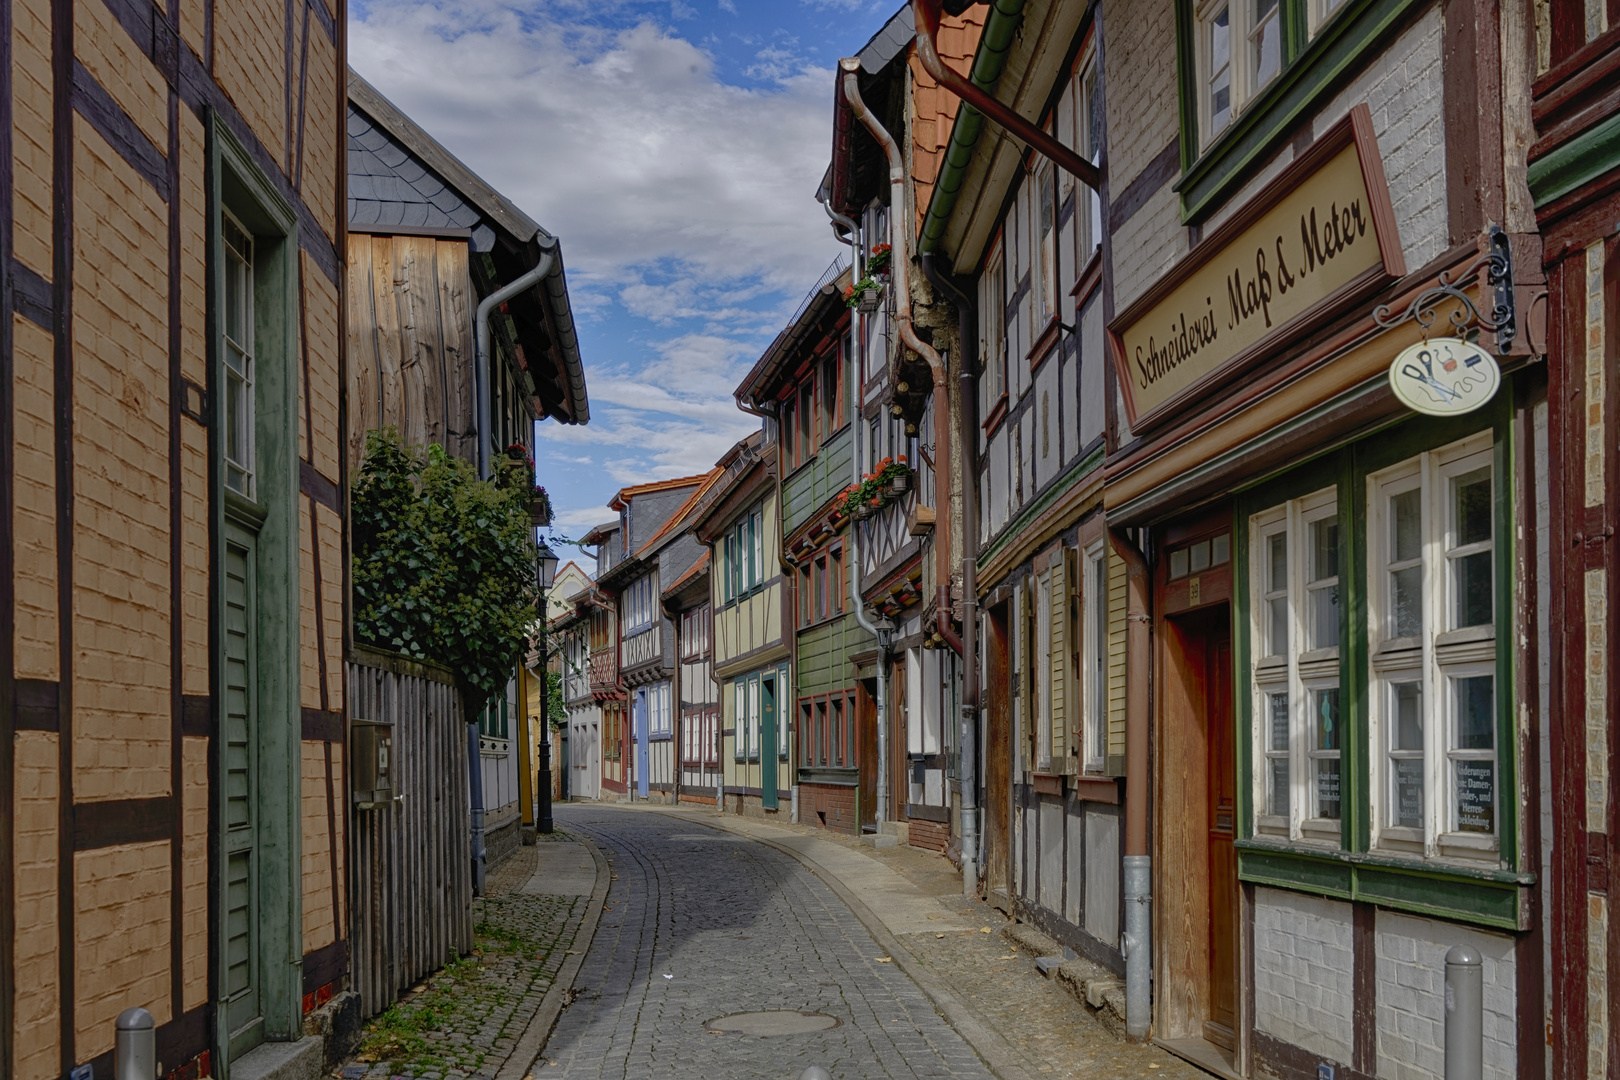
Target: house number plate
1444 377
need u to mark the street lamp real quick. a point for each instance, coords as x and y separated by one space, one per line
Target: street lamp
545 571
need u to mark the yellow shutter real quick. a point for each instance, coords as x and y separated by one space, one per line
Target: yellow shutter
1025 713
1117 675
1058 662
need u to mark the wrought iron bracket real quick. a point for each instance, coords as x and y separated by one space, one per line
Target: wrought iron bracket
1496 288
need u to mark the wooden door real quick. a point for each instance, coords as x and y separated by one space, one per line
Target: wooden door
997 763
1222 801
866 752
767 742
899 760
241 1005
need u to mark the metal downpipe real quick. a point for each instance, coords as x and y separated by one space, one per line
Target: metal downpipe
967 361
482 381
900 260
1138 868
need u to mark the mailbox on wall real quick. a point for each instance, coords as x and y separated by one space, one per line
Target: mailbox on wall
371 757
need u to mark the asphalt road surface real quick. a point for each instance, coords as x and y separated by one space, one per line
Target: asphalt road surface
701 925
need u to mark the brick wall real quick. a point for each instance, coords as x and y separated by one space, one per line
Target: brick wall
832 806
1411 973
1302 971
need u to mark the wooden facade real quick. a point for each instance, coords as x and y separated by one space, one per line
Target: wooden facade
172 753
1574 180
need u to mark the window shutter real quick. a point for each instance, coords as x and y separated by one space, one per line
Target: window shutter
1027 730
1117 675
1058 661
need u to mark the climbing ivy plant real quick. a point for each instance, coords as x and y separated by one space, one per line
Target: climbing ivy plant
443 562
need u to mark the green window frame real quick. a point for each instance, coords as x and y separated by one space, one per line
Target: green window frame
1322 46
1325 839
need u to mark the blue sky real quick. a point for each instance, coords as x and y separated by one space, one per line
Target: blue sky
675 149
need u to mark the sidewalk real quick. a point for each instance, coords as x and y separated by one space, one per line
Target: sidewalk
1021 1023
486 1016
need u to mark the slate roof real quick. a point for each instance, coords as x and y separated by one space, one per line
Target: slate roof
888 42
388 186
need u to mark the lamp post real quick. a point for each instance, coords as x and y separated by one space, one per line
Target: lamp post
545 571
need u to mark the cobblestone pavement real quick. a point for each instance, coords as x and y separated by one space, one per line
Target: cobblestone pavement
1050 1032
464 1020
699 925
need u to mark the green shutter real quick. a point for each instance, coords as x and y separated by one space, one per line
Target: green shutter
243 1020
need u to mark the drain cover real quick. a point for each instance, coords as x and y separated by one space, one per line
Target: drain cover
779 1022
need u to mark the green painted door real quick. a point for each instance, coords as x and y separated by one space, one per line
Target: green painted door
239 947
767 740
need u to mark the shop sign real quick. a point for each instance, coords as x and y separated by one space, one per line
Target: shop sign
1318 236
1444 377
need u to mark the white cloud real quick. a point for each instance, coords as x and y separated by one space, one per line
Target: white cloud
624 142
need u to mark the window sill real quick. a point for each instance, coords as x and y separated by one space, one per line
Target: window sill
1329 62
998 413
1044 341
1449 888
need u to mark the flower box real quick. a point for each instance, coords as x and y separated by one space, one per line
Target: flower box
870 299
540 512
899 483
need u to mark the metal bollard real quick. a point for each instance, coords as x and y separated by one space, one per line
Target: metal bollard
815 1072
135 1047
1465 1014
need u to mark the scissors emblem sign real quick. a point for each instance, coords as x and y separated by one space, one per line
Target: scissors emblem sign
1444 377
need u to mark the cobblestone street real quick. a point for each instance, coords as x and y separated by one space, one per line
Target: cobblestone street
701 924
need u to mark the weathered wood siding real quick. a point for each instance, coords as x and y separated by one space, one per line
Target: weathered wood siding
411 878
411 342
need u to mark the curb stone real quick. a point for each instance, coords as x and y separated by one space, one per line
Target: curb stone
534 1037
998 1055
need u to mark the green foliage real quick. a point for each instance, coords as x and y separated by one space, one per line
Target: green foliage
556 705
443 562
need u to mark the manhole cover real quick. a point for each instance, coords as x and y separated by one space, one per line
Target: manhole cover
779 1022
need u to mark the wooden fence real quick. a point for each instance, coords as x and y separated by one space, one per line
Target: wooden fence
411 863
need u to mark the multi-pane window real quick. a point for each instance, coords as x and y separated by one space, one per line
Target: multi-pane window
1046 244
1321 11
695 632
1239 54
992 320
746 718
1088 115
659 719
1294 561
239 373
1432 640
743 551
638 605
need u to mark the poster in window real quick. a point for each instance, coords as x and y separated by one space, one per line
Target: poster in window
1409 793
1476 796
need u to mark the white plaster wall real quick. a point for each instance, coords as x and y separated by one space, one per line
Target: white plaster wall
1411 974
1303 979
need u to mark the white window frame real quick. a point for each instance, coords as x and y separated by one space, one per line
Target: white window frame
993 301
240 410
1088 208
1435 658
1298 674
1318 12
1244 81
1094 654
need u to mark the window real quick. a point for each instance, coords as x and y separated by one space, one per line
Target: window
695 633
1321 11
638 605
993 347
659 719
1046 244
1431 621
1088 139
1233 70
1295 556
1094 656
789 407
831 394
747 704
807 422
743 550
240 415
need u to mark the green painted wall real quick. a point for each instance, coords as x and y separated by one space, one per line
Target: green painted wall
808 490
824 655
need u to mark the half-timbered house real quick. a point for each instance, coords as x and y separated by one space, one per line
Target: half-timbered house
803 383
172 765
697 719
752 635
